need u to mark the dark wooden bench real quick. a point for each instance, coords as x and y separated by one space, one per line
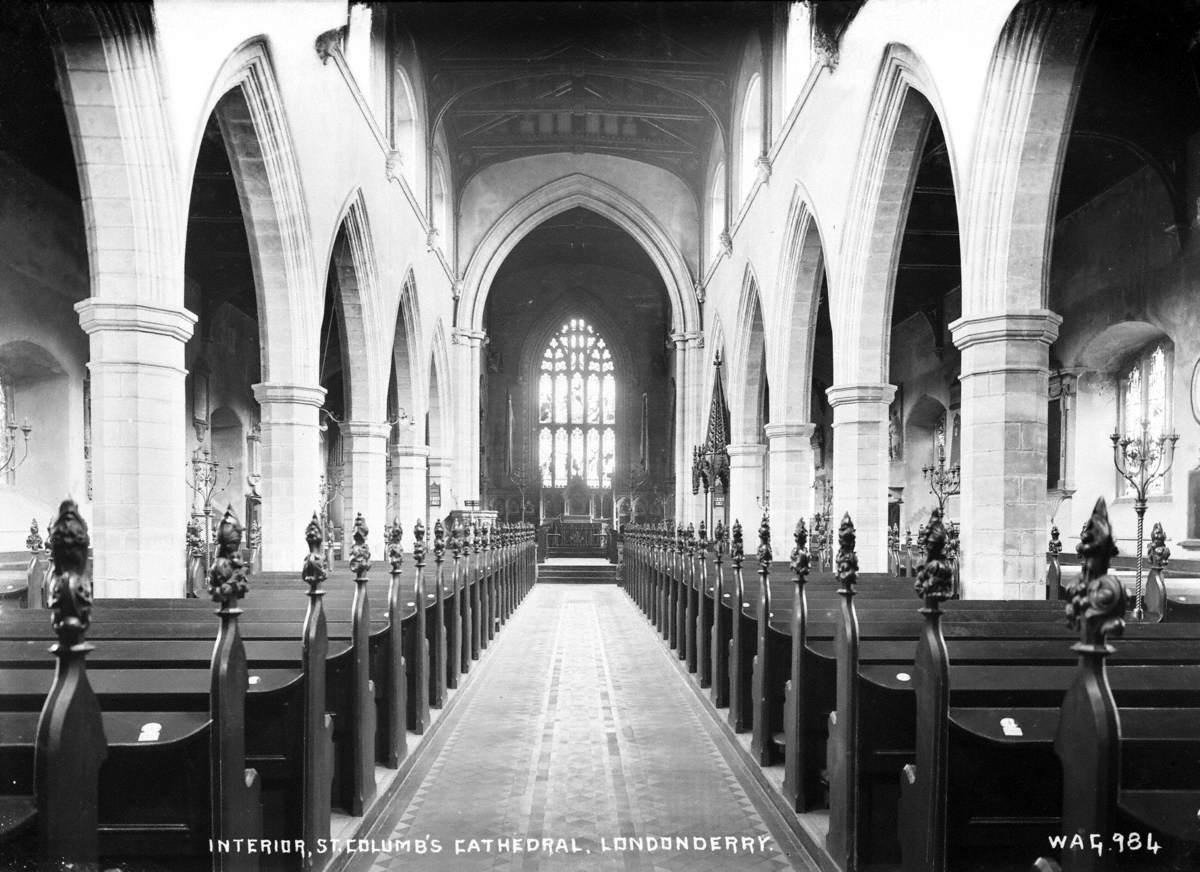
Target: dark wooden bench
302 673
1006 653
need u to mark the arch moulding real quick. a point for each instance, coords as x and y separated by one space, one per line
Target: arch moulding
877 208
245 95
561 195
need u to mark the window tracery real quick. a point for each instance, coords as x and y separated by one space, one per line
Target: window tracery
576 408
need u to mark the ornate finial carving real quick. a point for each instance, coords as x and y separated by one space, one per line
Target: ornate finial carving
679 540
908 540
419 543
690 540
799 561
719 540
893 537
456 540
227 581
703 543
313 572
1097 604
395 545
70 591
1055 545
934 578
34 540
254 537
476 542
922 533
764 544
736 554
360 553
847 559
439 541
1159 553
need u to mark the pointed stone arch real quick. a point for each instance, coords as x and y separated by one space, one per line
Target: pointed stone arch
107 65
353 266
405 371
904 104
746 370
246 100
803 268
560 196
1021 143
439 407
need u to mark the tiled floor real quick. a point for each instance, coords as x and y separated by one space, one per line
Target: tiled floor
577 728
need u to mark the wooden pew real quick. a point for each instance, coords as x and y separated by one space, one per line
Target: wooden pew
976 726
202 752
889 626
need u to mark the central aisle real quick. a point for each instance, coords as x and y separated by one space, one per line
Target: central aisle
577 726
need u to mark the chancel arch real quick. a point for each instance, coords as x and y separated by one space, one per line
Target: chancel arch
575 375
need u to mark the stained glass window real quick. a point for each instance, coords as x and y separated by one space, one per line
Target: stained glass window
577 408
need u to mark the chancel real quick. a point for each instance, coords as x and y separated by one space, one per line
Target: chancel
599 435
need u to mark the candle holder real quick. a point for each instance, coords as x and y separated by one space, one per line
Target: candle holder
944 481
10 461
520 477
1141 460
328 490
207 474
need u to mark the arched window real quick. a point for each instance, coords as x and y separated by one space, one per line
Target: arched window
797 54
577 408
716 211
1144 394
750 143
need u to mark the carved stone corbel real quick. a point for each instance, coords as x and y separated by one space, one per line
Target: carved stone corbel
329 42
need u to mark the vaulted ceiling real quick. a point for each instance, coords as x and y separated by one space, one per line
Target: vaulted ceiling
649 81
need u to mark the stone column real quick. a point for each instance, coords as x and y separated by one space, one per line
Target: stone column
688 507
140 504
791 479
441 473
746 485
410 466
291 469
462 442
860 467
367 490
1004 388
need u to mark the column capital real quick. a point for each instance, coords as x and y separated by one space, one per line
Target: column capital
785 431
421 451
689 339
285 392
1038 325
366 429
96 314
462 336
746 449
845 395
